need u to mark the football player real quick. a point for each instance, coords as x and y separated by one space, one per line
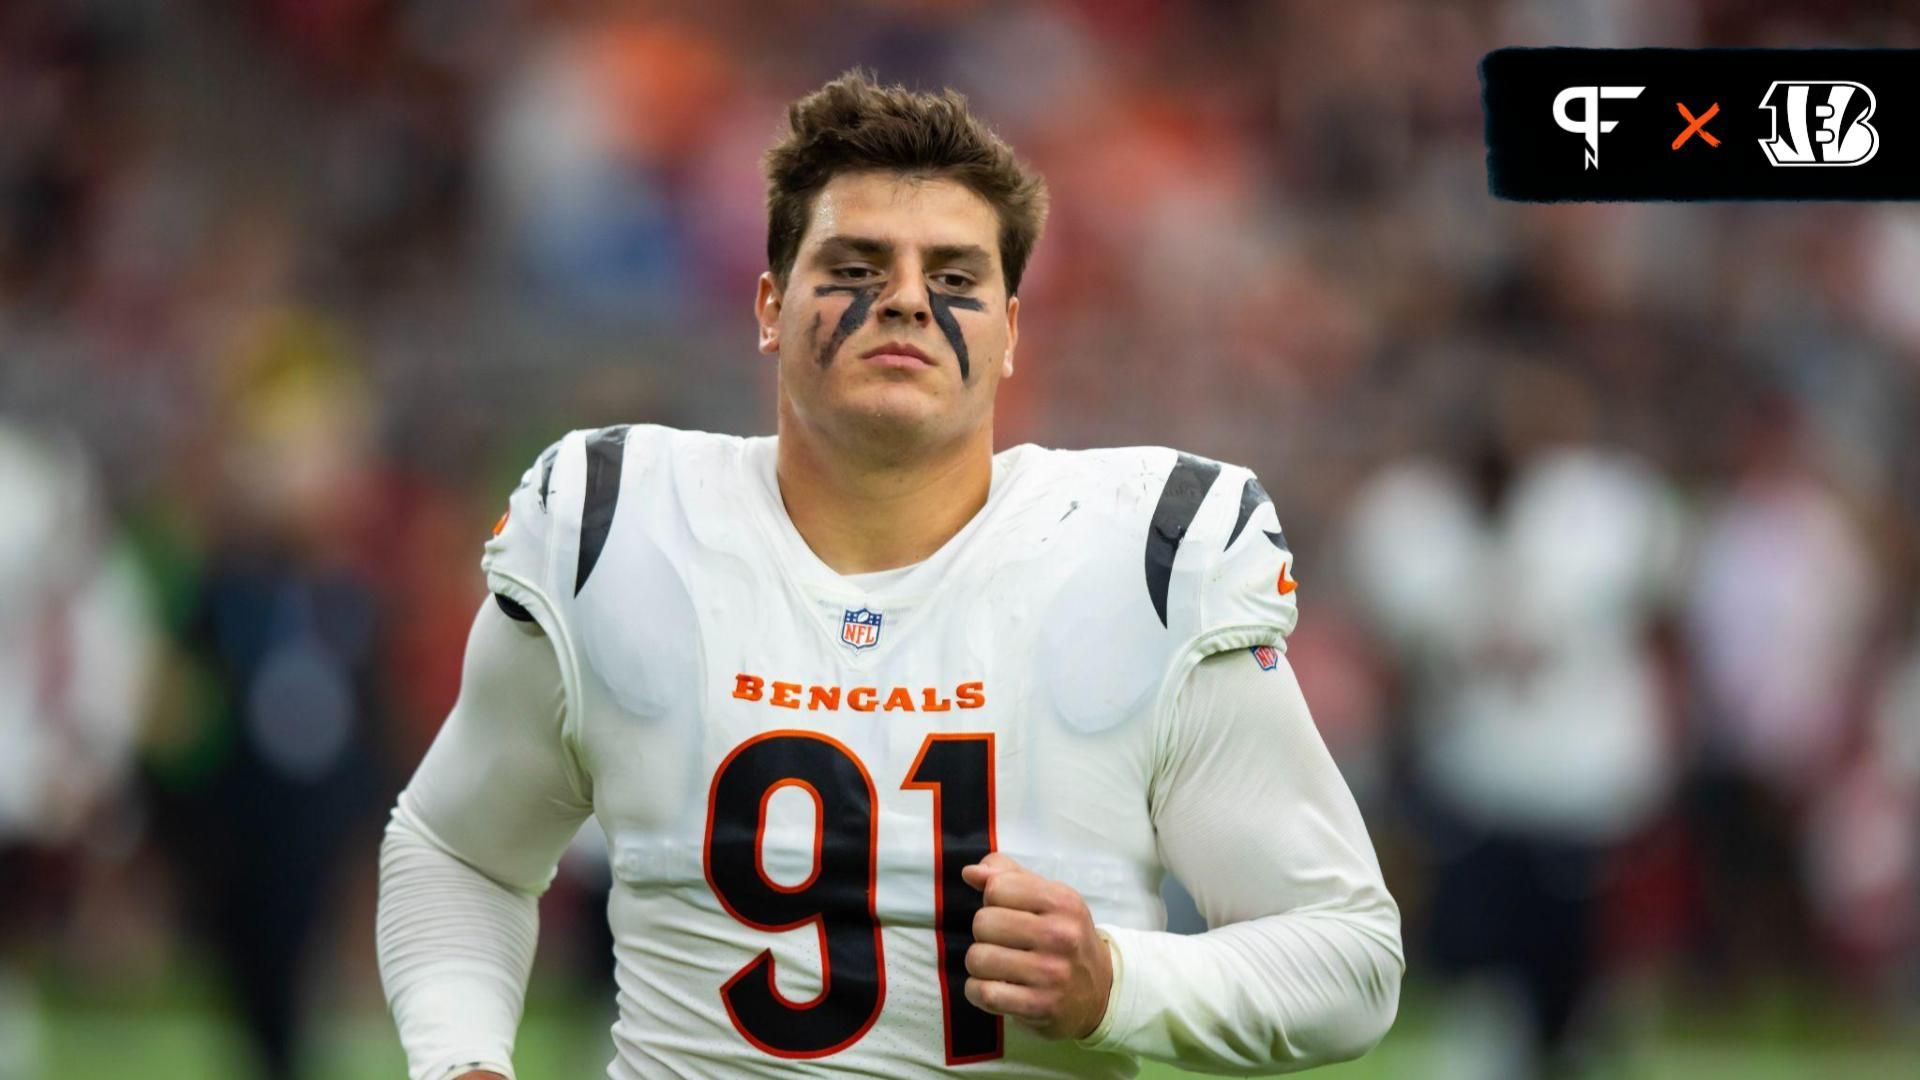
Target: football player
893 738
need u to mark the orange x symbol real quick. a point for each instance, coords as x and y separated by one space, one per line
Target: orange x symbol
1697 125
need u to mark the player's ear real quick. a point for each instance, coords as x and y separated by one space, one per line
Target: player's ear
766 312
1013 336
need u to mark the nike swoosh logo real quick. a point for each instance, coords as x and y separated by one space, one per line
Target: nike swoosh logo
1286 584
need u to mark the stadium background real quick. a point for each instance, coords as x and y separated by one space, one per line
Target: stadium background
291 290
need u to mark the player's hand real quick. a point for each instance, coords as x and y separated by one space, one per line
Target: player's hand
1035 955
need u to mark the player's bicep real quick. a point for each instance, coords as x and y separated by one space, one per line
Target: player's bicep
498 788
1251 813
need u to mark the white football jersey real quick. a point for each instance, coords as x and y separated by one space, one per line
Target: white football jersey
792 766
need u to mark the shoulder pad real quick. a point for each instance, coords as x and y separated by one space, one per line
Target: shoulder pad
1244 590
547 544
1213 557
1173 555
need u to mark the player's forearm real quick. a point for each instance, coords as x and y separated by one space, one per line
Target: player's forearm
1273 994
455 949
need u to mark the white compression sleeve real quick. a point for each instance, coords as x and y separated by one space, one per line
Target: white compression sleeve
1303 964
473 843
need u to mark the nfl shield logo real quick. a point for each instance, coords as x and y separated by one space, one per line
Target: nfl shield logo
861 629
1267 656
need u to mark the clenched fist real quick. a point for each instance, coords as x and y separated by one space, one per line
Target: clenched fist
1035 955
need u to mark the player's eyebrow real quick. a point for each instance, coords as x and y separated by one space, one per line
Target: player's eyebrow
965 256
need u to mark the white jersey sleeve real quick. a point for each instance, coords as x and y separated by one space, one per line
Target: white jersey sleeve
1303 963
479 830
474 841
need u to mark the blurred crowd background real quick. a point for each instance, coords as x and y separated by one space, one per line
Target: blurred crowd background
1608 516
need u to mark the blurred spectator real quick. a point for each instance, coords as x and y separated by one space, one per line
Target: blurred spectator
1522 597
75 643
76 649
287 628
1778 620
1776 655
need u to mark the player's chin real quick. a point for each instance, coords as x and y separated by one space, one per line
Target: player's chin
902 413
896 393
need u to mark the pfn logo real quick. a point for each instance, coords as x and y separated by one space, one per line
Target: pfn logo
1826 124
1589 123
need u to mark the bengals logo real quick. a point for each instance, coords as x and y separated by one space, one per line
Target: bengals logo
1825 124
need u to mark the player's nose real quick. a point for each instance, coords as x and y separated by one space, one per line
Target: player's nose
906 299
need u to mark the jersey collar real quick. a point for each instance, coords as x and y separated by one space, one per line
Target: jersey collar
905 585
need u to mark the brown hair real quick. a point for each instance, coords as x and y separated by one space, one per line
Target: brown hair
852 124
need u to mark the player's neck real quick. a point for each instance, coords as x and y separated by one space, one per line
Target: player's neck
859 518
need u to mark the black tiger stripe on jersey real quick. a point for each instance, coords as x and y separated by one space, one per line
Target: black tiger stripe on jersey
1252 497
546 472
1187 486
606 449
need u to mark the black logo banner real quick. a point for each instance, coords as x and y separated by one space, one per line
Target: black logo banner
1667 124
